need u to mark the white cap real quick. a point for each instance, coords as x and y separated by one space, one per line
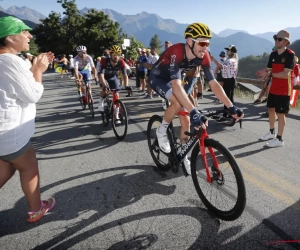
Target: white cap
28 54
139 49
70 55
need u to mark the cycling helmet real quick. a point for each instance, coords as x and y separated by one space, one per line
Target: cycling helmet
115 49
81 48
196 30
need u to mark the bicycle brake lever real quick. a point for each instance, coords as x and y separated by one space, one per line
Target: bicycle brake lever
191 134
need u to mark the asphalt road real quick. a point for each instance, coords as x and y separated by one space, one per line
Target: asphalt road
111 196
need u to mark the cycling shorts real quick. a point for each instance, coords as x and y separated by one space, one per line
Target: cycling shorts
163 87
86 75
113 83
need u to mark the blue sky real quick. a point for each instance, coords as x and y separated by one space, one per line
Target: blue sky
254 16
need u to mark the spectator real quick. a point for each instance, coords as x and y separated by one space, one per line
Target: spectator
280 68
137 78
20 89
71 66
229 73
64 68
28 60
168 44
130 62
142 71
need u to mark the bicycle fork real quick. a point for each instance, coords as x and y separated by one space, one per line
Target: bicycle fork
217 175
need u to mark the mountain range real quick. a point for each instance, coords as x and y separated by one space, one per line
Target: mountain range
145 25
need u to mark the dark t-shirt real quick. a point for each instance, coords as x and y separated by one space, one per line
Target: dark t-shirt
278 63
173 62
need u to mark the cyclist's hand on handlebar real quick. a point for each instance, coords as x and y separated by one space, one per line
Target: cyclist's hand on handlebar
236 113
197 119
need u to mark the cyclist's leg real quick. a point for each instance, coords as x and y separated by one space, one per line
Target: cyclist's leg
164 89
86 76
78 83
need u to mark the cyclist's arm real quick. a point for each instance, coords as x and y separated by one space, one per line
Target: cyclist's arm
124 73
102 79
95 72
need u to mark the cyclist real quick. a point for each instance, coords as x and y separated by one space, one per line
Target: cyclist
109 72
83 65
165 79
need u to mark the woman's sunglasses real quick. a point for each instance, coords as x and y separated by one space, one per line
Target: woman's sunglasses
202 44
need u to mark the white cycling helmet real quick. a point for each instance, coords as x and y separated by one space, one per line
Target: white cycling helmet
81 48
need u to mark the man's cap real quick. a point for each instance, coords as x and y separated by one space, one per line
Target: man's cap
222 53
139 49
283 34
28 54
143 50
10 25
99 57
168 42
70 55
232 48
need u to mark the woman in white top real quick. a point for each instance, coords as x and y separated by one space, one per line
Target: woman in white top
229 73
20 89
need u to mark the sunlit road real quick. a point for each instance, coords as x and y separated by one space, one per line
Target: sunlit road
110 195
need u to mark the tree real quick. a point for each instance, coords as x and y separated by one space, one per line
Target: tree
62 35
249 65
295 46
132 50
155 43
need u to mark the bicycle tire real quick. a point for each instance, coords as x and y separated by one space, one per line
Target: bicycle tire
83 106
123 119
221 182
90 104
153 147
105 116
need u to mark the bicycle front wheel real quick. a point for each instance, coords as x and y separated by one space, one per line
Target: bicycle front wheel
120 120
160 158
225 195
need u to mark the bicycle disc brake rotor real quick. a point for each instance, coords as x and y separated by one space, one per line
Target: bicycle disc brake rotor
217 176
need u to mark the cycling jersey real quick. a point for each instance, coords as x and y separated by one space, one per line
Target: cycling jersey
173 62
111 71
83 64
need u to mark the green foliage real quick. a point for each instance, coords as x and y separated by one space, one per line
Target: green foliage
295 46
156 43
62 34
132 50
249 65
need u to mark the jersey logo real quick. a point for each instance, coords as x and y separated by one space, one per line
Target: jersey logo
283 60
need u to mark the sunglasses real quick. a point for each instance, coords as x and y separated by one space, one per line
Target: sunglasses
202 44
116 54
279 39
81 52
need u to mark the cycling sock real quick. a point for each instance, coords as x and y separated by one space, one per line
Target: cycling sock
272 130
117 113
163 127
279 137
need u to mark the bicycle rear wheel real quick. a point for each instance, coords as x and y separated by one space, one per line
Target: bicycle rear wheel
120 125
90 103
225 196
159 157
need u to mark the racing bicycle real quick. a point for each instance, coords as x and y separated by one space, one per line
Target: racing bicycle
115 110
86 96
215 172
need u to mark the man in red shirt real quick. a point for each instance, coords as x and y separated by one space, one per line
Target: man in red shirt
280 68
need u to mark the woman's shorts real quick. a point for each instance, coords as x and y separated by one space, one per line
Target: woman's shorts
17 154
